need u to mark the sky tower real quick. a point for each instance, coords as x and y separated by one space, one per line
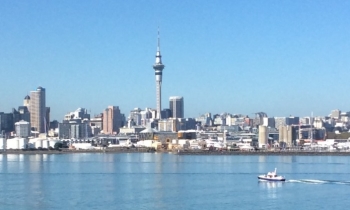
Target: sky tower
158 70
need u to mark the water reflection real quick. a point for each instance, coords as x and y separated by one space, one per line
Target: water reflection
271 187
287 159
270 184
35 163
262 158
162 181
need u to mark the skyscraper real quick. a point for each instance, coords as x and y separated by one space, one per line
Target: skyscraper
176 105
37 109
26 101
158 68
112 120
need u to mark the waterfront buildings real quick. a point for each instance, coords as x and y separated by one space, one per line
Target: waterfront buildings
22 129
166 113
335 114
76 124
6 122
132 130
304 120
134 117
112 120
37 109
26 101
235 120
170 124
176 124
147 116
220 119
138 117
205 120
280 121
80 113
23 114
269 122
158 69
287 135
76 129
345 116
259 118
176 105
263 136
96 124
291 120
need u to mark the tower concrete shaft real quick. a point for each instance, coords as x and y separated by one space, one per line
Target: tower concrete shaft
158 69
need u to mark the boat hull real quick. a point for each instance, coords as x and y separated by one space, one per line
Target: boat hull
274 179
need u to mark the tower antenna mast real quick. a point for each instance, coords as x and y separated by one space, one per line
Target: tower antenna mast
158 70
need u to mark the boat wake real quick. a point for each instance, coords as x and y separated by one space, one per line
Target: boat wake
317 181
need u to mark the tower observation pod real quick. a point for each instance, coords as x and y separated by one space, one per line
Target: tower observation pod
158 70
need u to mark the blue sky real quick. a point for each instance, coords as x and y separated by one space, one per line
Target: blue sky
280 57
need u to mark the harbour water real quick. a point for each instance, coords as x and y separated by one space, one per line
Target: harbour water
168 181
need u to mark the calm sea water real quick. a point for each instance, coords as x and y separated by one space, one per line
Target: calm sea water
167 181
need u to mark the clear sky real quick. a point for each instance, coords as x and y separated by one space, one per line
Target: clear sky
241 57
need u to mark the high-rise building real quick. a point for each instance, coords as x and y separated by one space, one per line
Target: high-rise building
269 122
166 113
24 113
335 114
6 122
22 129
174 125
205 119
75 128
96 124
292 120
135 117
26 101
112 120
259 118
47 119
158 68
80 113
280 121
176 105
37 109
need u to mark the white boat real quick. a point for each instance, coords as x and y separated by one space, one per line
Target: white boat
272 176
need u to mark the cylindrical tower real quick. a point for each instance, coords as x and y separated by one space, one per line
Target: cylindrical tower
263 135
158 69
37 109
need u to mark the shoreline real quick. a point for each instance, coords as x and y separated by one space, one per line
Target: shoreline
181 152
68 151
267 153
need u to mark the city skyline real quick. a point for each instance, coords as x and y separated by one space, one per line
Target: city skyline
237 57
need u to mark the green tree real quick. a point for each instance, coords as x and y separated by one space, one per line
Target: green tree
58 145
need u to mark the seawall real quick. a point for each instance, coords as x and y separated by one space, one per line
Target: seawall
286 153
